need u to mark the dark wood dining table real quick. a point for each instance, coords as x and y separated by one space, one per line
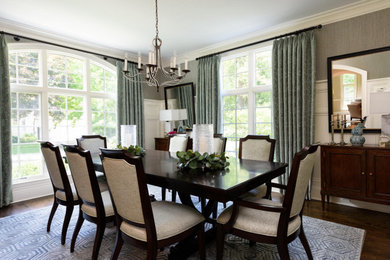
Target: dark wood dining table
217 186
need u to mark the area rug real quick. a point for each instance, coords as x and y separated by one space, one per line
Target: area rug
24 236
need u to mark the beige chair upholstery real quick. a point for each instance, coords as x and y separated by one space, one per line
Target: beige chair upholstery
92 143
178 143
108 209
267 221
154 224
52 167
61 194
219 144
260 148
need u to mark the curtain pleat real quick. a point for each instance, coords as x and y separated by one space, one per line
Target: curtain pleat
5 127
207 94
293 73
185 100
130 102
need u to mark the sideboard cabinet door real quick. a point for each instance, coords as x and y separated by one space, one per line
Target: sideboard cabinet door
379 174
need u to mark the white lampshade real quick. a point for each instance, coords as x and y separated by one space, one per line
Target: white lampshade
203 138
128 135
169 115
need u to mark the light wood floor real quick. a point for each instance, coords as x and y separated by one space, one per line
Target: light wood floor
377 224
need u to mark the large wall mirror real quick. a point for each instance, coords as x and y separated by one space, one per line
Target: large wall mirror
180 97
359 86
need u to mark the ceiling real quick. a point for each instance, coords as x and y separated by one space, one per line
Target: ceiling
184 25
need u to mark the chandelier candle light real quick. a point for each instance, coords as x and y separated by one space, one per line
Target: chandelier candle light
154 69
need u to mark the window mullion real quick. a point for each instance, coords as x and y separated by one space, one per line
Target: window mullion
251 97
44 98
87 82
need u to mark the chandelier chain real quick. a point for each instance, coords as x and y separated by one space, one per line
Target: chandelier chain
156 20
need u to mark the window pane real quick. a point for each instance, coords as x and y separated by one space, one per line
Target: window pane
97 84
228 82
101 79
65 72
242 64
242 80
28 101
263 99
229 102
263 129
263 68
28 75
24 68
242 116
263 115
349 78
242 130
229 116
229 130
229 67
12 73
242 101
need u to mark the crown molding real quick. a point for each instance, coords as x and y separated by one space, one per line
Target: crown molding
36 33
331 16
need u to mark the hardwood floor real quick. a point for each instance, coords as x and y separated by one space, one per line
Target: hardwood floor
376 224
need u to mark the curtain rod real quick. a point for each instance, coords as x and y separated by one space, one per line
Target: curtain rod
265 40
17 38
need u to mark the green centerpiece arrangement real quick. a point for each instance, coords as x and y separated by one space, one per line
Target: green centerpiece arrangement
133 150
195 160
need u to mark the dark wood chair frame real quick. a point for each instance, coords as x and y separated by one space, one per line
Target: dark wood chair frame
83 137
69 203
271 157
281 240
101 220
152 245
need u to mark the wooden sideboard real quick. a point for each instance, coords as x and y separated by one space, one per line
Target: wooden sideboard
162 143
355 172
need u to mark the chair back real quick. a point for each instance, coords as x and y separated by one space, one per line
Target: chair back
55 167
92 143
219 144
128 188
84 177
178 143
257 147
301 170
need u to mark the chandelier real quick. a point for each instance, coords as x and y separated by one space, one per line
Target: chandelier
153 73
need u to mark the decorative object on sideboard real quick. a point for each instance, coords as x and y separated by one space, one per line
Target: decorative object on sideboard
172 115
203 138
155 74
357 137
332 122
128 135
343 123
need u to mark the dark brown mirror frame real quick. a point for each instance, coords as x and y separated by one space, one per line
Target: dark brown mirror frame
181 85
330 92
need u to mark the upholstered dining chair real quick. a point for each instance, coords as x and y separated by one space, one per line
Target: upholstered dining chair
219 143
64 193
176 143
151 225
267 221
261 148
92 143
95 206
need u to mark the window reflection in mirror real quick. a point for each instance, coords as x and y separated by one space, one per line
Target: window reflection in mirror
358 86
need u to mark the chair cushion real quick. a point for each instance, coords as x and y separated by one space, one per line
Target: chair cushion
170 219
61 194
91 210
258 192
258 221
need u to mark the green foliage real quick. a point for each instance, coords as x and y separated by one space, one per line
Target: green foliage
195 160
28 138
133 150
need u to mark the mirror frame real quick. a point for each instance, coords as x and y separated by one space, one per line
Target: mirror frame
330 90
181 85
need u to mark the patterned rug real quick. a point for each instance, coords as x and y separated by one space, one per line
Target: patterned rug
24 236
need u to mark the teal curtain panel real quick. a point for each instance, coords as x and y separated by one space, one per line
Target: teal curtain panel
207 92
293 73
185 100
130 102
5 127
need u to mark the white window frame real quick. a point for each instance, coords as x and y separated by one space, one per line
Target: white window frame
252 87
45 91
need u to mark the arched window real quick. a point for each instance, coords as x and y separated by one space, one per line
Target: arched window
57 96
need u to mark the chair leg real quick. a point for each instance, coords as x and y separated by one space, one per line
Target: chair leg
201 242
118 245
52 212
305 244
68 215
163 193
283 250
151 253
98 239
173 195
76 231
220 241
